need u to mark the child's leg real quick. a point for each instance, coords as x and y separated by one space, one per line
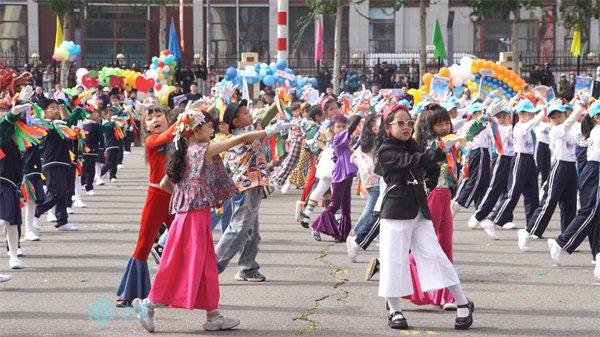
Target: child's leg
316 195
468 187
497 186
52 195
568 203
12 238
503 212
114 156
484 177
553 188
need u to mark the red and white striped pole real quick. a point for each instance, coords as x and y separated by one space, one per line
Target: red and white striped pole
282 29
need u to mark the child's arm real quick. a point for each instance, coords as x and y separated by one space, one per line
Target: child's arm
354 124
166 184
107 127
162 139
267 115
214 149
393 159
529 125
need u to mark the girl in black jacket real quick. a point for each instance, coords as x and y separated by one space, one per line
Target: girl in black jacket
405 225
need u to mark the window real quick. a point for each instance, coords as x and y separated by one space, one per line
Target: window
13 33
254 30
222 31
329 32
382 30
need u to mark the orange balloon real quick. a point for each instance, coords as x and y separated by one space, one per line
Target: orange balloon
510 83
521 82
444 72
475 69
426 88
427 78
478 63
489 64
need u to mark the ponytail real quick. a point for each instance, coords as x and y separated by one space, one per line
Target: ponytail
177 161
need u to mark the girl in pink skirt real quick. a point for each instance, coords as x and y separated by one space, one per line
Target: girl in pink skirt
187 275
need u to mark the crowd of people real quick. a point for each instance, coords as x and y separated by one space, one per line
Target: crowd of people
213 158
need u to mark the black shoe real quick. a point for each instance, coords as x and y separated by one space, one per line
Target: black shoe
161 230
156 252
397 321
372 269
463 323
304 221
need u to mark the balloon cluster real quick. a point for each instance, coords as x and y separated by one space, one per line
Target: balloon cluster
162 68
67 50
353 81
270 74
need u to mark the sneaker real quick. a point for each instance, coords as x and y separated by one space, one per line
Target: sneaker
555 250
372 269
255 277
352 248
99 182
523 240
144 314
597 268
298 211
455 207
113 180
509 225
126 152
19 253
31 235
285 188
490 228
449 306
70 210
473 222
15 263
79 204
91 193
221 323
5 278
156 252
51 217
67 228
120 166
535 237
36 225
316 235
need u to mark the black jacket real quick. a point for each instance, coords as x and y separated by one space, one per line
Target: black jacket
407 169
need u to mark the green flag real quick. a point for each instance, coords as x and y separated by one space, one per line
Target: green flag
438 42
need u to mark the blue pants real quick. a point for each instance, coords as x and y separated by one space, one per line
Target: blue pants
473 187
542 160
586 220
497 186
228 206
561 189
522 180
362 225
57 192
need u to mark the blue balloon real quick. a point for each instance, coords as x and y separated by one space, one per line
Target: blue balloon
281 64
230 73
269 80
153 66
264 66
289 71
273 67
301 82
262 72
250 80
154 60
313 81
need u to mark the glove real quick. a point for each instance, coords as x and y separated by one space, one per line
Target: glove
278 127
17 109
26 93
226 90
194 105
449 143
494 108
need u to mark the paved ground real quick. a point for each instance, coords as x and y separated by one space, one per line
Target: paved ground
68 285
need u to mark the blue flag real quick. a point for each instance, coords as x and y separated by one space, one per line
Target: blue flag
174 42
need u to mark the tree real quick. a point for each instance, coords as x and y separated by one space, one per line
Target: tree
575 13
482 9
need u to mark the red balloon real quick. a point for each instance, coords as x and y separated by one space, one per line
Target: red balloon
116 82
158 86
161 64
166 52
144 84
88 81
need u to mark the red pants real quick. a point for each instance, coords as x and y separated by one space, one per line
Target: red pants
155 212
309 182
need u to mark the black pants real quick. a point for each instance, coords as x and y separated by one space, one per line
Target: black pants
497 187
120 155
522 180
561 189
89 171
474 186
112 160
71 185
364 239
56 193
586 221
127 141
542 160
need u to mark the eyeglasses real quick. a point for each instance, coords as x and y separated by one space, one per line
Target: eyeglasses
410 123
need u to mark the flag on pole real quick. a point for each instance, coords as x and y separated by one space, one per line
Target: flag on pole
438 42
576 42
174 42
59 33
318 40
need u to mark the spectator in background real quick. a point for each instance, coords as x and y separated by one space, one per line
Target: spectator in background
176 92
386 73
413 74
329 92
343 77
38 77
187 77
200 73
48 78
194 93
211 78
572 81
535 75
323 78
375 89
38 97
564 87
547 77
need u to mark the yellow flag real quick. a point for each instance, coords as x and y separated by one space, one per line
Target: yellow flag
59 34
576 42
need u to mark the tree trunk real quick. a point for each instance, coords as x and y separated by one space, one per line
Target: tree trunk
162 27
337 47
423 37
66 65
514 38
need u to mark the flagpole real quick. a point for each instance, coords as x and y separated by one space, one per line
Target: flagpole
578 63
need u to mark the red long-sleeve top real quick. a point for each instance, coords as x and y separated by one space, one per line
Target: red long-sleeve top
156 155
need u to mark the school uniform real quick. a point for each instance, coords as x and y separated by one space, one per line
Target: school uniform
32 173
11 174
93 139
114 147
500 174
543 154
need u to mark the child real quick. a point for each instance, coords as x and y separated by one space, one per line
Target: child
295 143
187 276
113 146
248 168
363 157
405 221
523 175
542 150
32 178
94 131
341 179
561 186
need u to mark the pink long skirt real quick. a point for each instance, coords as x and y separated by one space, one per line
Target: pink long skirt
441 217
187 276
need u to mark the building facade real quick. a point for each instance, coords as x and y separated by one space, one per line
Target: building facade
106 28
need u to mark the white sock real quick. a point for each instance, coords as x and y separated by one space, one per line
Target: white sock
29 214
394 303
98 168
12 236
148 303
77 188
460 299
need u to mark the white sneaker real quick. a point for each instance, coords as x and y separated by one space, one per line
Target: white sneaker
523 240
19 253
67 228
51 217
70 210
298 211
99 182
286 187
91 192
509 225
120 166
597 269
473 222
534 237
126 152
144 314
36 224
79 204
221 323
490 228
455 208
352 248
113 180
5 278
555 250
15 263
31 235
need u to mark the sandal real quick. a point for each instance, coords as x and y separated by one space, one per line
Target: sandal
463 323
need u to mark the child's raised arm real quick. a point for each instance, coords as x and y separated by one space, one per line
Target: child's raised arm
218 147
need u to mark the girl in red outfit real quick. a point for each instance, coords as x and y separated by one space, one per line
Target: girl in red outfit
136 279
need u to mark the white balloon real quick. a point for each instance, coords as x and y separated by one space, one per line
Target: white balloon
81 72
454 70
457 81
151 73
466 61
